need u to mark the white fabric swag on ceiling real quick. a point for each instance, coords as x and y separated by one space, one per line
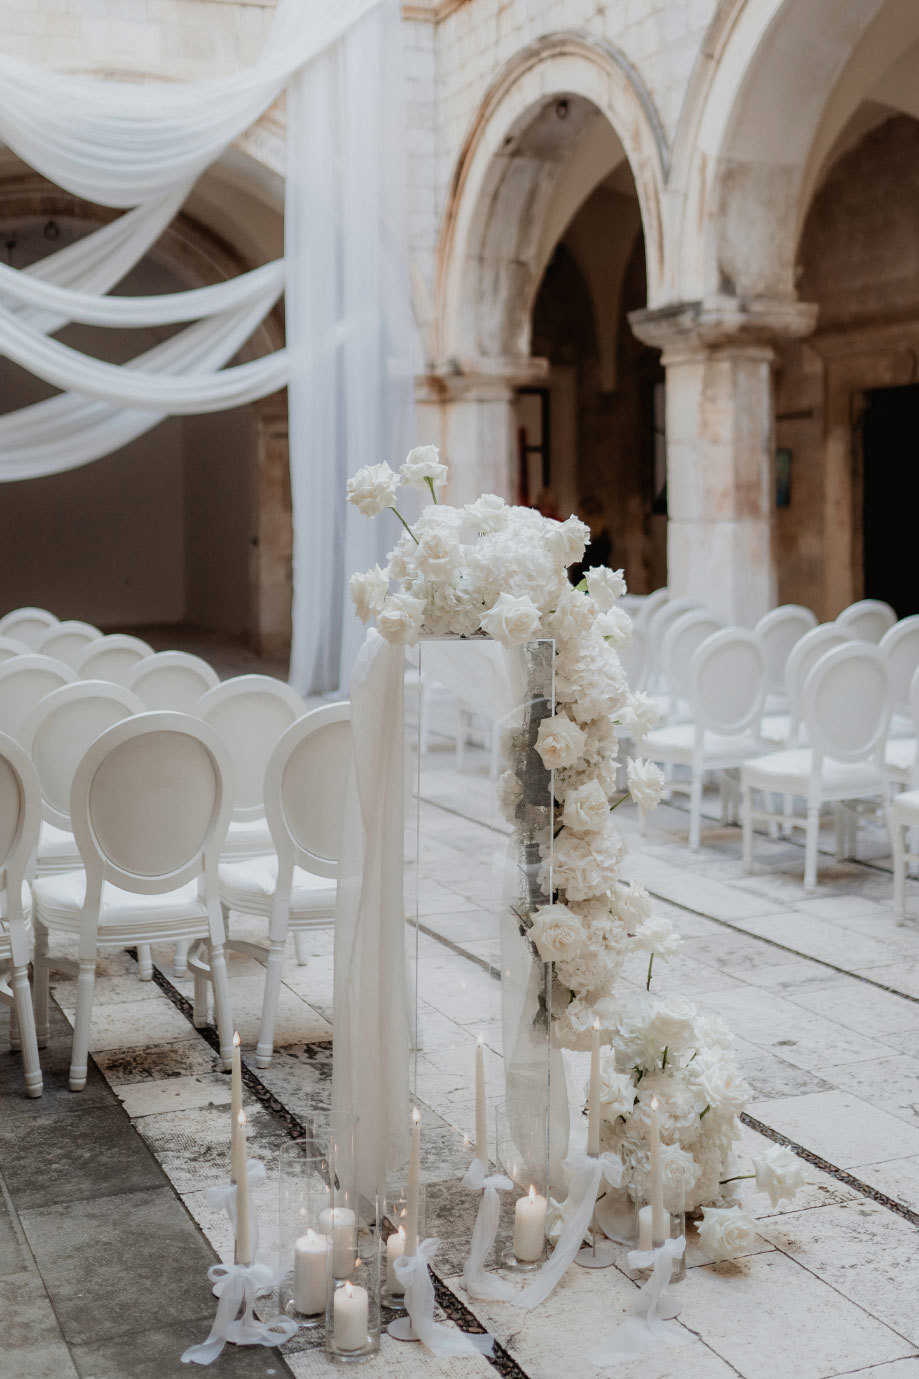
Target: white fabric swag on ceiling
351 343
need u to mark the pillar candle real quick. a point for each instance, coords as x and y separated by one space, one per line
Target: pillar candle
593 1093
530 1227
311 1272
412 1191
481 1109
660 1221
243 1235
340 1225
349 1317
236 1105
395 1249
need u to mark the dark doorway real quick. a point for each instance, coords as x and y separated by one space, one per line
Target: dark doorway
891 494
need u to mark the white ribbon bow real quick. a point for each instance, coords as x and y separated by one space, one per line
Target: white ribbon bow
237 1286
586 1174
412 1273
479 1282
651 1310
225 1196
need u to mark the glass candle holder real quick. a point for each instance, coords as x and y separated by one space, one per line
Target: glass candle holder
352 1317
523 1156
395 1206
318 1221
648 1227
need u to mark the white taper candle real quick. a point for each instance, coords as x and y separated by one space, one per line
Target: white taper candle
481 1108
412 1191
593 1093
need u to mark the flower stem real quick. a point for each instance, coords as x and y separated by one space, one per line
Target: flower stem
650 965
703 1114
621 800
406 526
664 1059
738 1179
430 484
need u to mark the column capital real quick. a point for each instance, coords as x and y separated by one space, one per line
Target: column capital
723 325
483 378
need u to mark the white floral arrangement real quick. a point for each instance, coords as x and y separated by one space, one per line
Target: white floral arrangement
495 569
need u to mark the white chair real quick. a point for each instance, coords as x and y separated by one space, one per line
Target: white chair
10 647
900 758
726 689
867 620
67 640
780 630
23 681
149 808
657 629
677 650
786 729
652 603
902 818
57 732
304 795
27 625
636 657
900 644
111 658
846 712
172 680
20 816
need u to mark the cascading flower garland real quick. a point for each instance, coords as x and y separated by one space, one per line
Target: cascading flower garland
491 568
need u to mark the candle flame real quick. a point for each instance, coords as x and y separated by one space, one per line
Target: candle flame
236 1038
312 1237
481 1039
654 1103
532 1195
402 1234
416 1115
349 1291
241 1118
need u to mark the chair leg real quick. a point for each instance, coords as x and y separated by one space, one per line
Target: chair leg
40 978
15 1036
180 959
301 948
273 969
842 831
144 962
200 1004
810 848
222 1011
23 1007
695 810
897 839
746 818
86 982
788 814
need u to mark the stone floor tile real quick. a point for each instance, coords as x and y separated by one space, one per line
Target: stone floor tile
56 1094
891 1083
156 1354
818 938
768 1317
797 1035
862 1008
109 990
901 976
862 1249
137 1255
898 1178
156 1061
31 1343
134 1024
770 1077
65 1158
698 893
395 1358
14 1253
463 926
795 974
193 1146
839 1127
174 1094
897 1369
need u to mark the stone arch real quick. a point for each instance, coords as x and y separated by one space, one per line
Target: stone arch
773 89
500 216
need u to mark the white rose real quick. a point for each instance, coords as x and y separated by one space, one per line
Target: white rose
373 489
557 933
585 867
646 783
422 466
632 904
615 626
719 1082
671 1024
726 1232
368 592
568 540
438 554
639 715
509 792
655 935
572 616
617 1090
511 621
488 513
559 742
586 808
400 619
605 586
779 1173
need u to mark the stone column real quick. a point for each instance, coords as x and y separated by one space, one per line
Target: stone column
720 448
478 438
270 564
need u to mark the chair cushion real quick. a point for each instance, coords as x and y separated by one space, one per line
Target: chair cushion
250 886
790 772
905 808
57 849
247 838
775 727
675 743
59 905
900 756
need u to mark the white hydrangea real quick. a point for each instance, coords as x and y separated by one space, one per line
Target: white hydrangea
373 489
422 468
646 783
368 592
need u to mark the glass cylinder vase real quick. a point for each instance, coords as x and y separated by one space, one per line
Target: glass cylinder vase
522 1146
352 1318
395 1208
654 1225
317 1217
